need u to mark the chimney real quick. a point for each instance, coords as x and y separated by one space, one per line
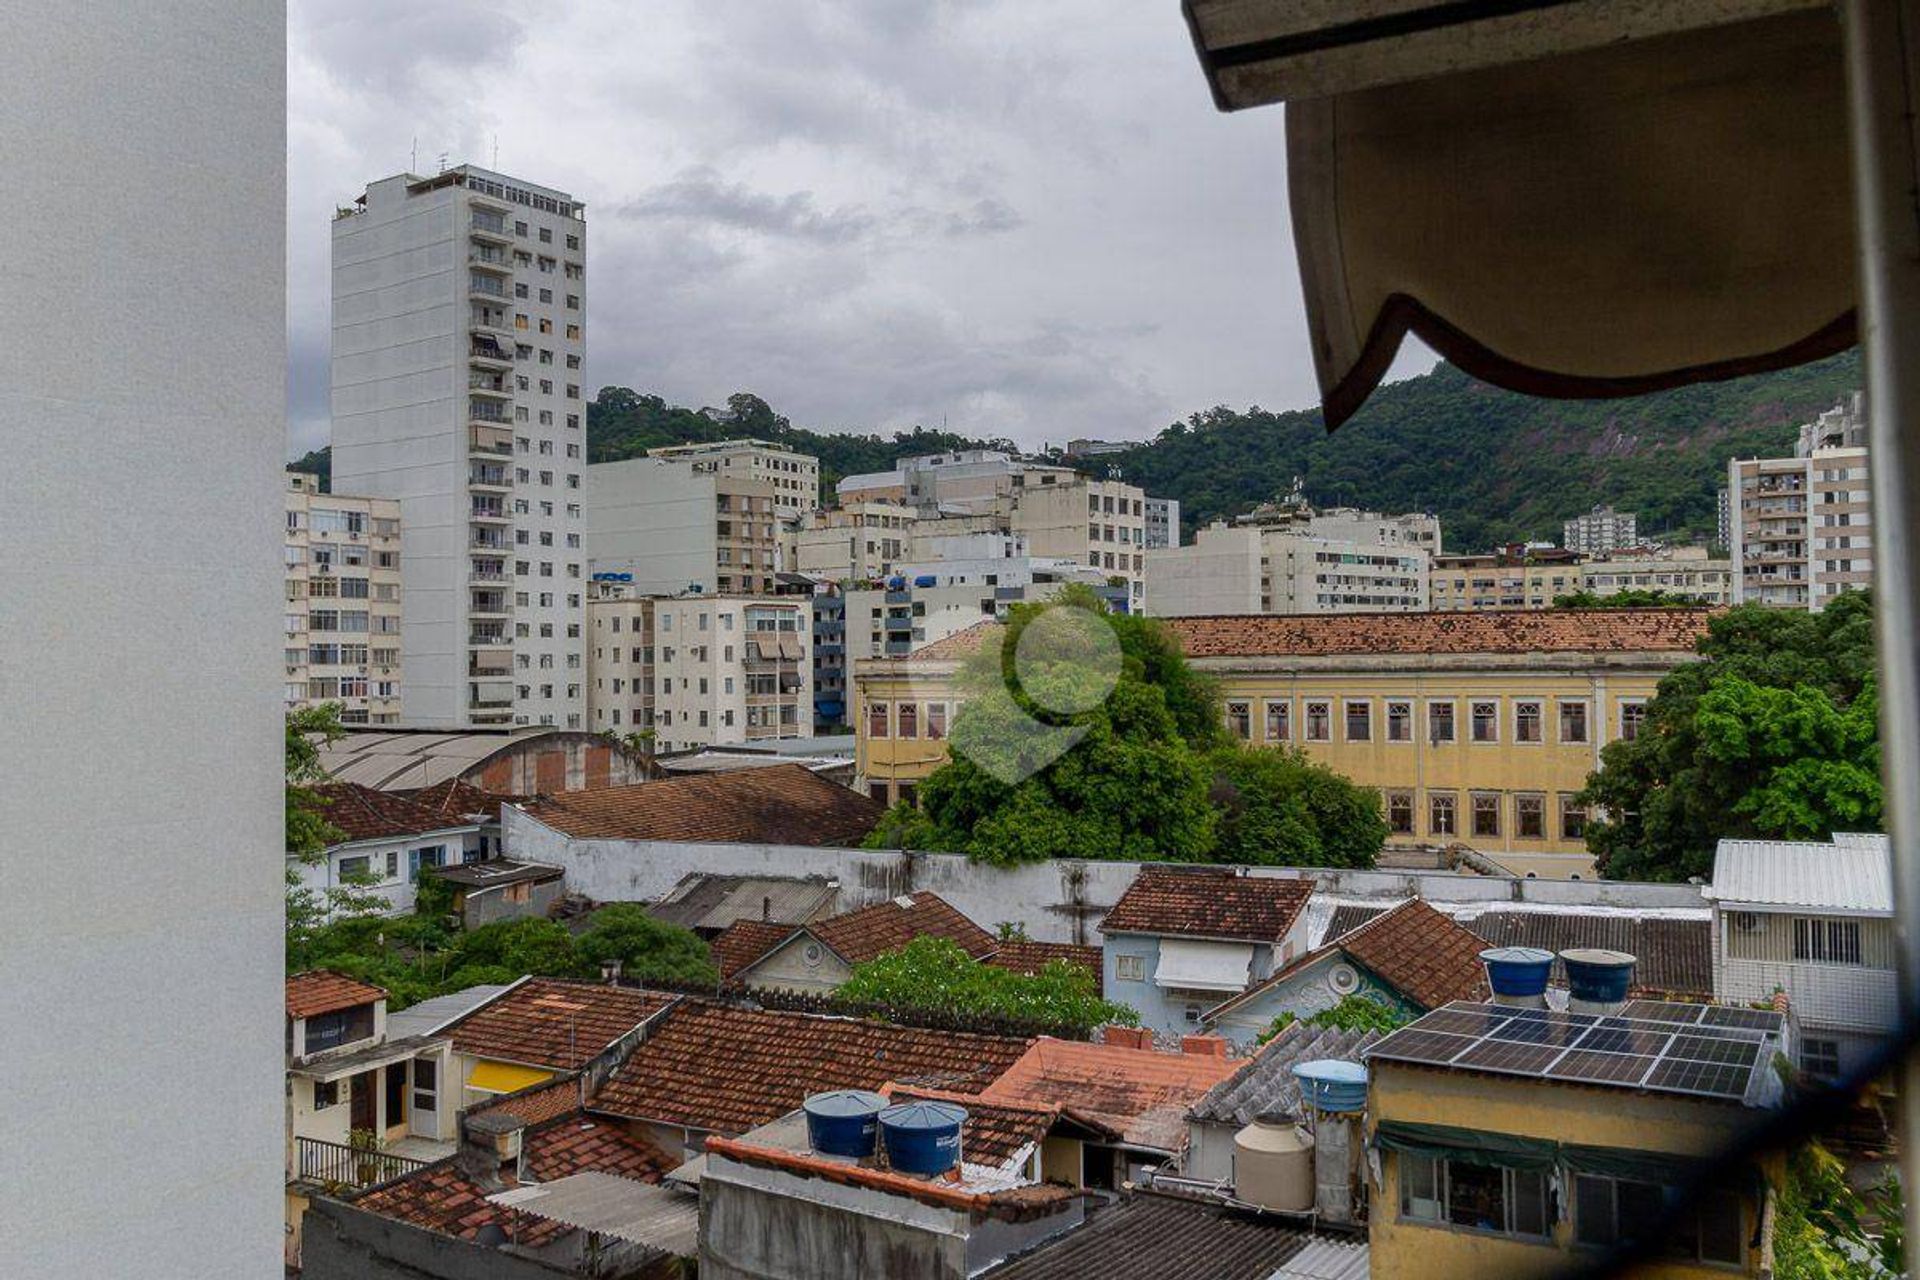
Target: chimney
766 908
490 1148
1127 1037
1204 1046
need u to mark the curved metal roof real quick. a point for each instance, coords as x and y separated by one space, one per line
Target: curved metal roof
406 759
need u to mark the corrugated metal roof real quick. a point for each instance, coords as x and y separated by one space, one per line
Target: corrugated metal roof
1853 873
430 1015
394 761
1325 1259
706 901
662 1219
1265 1086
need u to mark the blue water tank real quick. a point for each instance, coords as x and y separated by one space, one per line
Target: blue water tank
922 1137
1596 976
926 580
1517 971
1332 1085
844 1122
896 583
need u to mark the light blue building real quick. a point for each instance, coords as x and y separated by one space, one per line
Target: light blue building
1182 940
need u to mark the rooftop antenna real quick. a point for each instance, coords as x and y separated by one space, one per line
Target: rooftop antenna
494 164
443 162
413 156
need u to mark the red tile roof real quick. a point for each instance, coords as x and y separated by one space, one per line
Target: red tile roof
1024 956
537 1103
867 932
361 813
1208 902
994 1132
319 991
707 1065
959 645
781 804
441 1197
550 1022
1428 956
1490 631
580 1142
745 941
1141 1093
457 799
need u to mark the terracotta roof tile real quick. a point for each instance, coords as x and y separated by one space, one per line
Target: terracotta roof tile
725 1069
743 942
1490 631
1208 903
1025 956
549 1022
580 1142
782 804
1141 1093
995 1132
1675 956
361 813
1015 1203
865 933
1425 954
443 1198
319 991
959 645
455 798
536 1103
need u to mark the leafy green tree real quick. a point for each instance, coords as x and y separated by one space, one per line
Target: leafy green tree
309 834
531 945
1154 777
937 976
1356 1012
1770 735
1279 808
1823 1227
649 950
1634 598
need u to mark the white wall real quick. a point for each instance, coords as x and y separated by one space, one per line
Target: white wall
655 519
140 898
1046 898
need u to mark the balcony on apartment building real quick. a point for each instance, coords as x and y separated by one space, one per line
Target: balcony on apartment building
488 604
489 228
490 442
487 411
484 351
486 257
482 475
489 636
489 384
484 287
490 321
487 508
493 696
488 540
488 571
484 665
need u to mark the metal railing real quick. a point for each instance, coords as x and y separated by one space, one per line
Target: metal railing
316 1160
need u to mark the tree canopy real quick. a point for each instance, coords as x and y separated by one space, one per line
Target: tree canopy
1772 734
935 975
1152 775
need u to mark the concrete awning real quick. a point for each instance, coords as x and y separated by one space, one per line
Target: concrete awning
613 1206
380 1055
1581 199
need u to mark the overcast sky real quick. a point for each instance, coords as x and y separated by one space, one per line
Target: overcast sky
1020 217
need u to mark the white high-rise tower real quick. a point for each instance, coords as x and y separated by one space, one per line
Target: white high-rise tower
459 305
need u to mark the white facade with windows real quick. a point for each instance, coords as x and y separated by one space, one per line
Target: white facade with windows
343 603
1815 920
459 314
389 866
793 477
1247 568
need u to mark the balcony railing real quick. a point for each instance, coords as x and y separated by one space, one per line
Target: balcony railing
482 412
486 542
491 224
332 1163
488 638
486 285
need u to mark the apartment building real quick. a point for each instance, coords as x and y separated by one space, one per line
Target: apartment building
697 670
676 526
930 601
1060 513
829 608
1163 523
343 602
1600 531
1292 513
1800 529
1693 572
459 330
857 542
1277 569
793 477
1476 729
1514 577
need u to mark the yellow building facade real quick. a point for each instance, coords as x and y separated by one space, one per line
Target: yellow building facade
1545 1235
1477 729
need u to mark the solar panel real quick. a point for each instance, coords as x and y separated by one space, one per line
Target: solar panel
1746 1019
1696 1049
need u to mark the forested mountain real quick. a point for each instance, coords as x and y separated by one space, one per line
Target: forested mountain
1495 466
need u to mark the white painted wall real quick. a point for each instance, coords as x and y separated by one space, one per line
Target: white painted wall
145 354
653 518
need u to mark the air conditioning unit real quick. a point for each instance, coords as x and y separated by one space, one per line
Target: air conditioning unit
1746 921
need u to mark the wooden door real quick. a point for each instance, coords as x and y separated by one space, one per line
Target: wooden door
363 1114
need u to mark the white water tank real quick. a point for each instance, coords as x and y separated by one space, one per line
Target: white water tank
1273 1166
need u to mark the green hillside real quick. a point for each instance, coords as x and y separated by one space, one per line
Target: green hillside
1495 466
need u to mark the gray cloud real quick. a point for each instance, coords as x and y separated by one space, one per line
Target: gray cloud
1026 220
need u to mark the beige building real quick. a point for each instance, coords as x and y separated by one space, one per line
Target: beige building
1800 529
1477 730
1276 569
793 477
343 602
861 541
1680 571
698 670
1503 580
676 525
